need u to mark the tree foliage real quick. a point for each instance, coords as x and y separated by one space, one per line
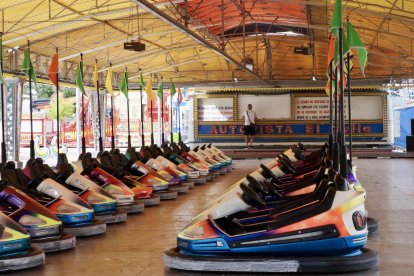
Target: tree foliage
66 109
45 91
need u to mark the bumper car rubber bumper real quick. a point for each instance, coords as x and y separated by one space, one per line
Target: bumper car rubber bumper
34 257
96 228
64 242
173 259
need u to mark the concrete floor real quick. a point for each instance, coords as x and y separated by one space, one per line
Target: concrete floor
136 247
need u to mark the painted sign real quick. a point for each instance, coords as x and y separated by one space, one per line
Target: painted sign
314 108
215 109
287 129
309 117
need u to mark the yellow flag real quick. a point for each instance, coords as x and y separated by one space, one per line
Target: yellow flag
148 90
96 76
108 82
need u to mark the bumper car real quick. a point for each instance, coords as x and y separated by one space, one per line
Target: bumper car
214 165
173 178
188 173
219 152
145 175
124 196
186 170
324 231
103 204
44 227
191 162
218 155
111 163
15 250
196 172
178 156
176 179
76 215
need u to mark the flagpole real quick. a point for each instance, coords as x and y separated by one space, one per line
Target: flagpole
60 160
112 119
162 113
343 161
179 123
152 123
348 56
142 116
330 113
152 126
100 143
3 141
349 109
112 123
83 112
335 133
57 111
171 117
32 152
129 126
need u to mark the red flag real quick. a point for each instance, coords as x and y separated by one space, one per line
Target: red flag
180 95
53 70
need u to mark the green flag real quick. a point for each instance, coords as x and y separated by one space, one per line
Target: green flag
79 78
355 42
1 60
123 85
172 89
337 18
160 92
141 81
27 66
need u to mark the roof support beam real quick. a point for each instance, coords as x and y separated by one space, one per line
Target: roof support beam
169 20
65 25
268 53
241 8
348 5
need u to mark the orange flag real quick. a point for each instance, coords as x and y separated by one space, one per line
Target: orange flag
331 54
330 70
180 96
53 70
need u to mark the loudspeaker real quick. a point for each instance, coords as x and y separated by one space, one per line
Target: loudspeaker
303 50
410 143
134 46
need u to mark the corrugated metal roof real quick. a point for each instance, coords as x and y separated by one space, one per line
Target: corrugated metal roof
98 28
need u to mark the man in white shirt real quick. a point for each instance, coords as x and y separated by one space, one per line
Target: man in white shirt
250 118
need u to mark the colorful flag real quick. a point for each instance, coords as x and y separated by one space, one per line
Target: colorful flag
337 18
79 78
355 42
148 90
96 76
345 50
172 89
160 91
54 69
108 82
328 87
180 96
141 81
123 85
27 67
331 54
1 60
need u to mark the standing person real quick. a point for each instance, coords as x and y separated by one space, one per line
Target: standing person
250 118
